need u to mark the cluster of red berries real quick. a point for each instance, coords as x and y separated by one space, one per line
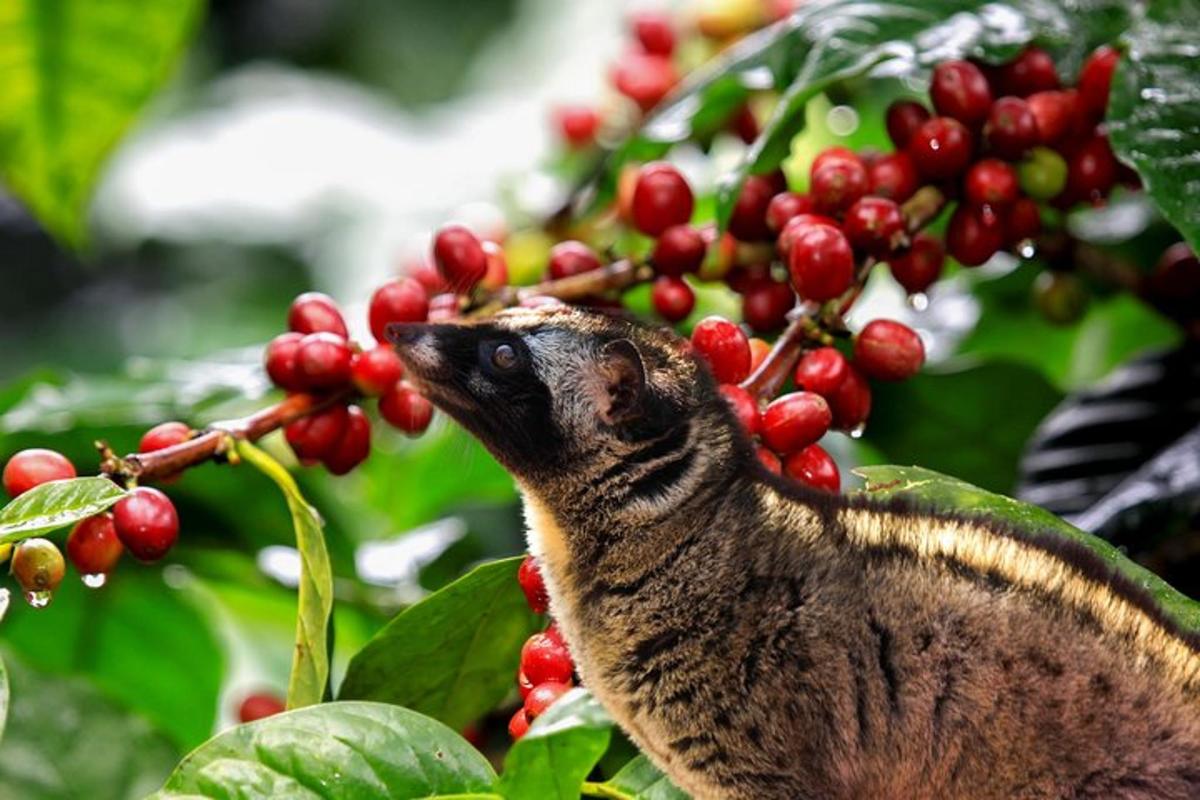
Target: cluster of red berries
547 671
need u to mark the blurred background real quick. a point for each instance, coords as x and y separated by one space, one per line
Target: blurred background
313 144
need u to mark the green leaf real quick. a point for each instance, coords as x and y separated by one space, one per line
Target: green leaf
459 649
56 504
952 495
66 740
3 697
641 780
76 73
310 661
969 422
334 751
1154 110
551 761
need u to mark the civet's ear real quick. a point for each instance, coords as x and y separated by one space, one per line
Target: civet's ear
624 381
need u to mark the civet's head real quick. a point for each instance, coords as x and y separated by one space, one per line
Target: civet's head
558 391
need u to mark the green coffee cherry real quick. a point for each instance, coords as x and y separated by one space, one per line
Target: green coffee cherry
1043 174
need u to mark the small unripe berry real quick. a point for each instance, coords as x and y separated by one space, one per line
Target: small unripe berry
725 347
403 300
529 576
577 125
903 119
33 467
838 183
147 523
518 725
814 467
459 257
375 371
743 405
1032 71
280 360
259 705
1060 297
544 657
941 148
1095 79
974 235
1043 174
888 350
406 409
821 263
786 205
355 444
644 78
991 182
679 249
323 361
314 312
93 546
315 436
765 305
673 299
543 696
794 421
875 225
918 267
661 198
960 90
769 460
821 371
759 350
893 176
1011 128
571 258
38 566
163 435
851 404
748 218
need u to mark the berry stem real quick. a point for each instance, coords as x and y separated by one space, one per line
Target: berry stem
619 274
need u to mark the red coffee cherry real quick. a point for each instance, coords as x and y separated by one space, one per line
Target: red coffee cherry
518 725
743 405
280 361
1095 80
765 305
259 705
1092 170
543 696
33 467
974 235
992 182
403 300
821 263
314 312
893 176
831 155
794 421
1174 285
960 90
1022 221
496 276
459 257
673 299
444 307
1053 112
323 361
903 119
315 436
93 546
1032 71
529 576
838 183
875 225
654 32
940 148
544 657
769 460
724 347
814 467
851 404
577 125
146 523
821 371
354 446
888 350
406 409
918 267
786 205
759 349
679 249
375 371
1011 128
425 272
165 434
661 198
748 219
572 258
38 567
644 78
797 225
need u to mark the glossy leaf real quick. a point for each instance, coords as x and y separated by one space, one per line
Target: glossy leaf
310 659
3 697
335 751
1154 110
641 780
562 746
453 655
951 495
56 504
76 73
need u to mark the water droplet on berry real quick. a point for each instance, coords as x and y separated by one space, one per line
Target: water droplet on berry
857 431
38 599
1026 248
918 301
95 580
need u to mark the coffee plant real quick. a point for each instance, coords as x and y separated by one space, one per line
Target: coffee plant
1038 160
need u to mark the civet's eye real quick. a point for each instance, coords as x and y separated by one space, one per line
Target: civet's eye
504 356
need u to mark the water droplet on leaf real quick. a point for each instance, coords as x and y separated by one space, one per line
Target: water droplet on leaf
38 599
